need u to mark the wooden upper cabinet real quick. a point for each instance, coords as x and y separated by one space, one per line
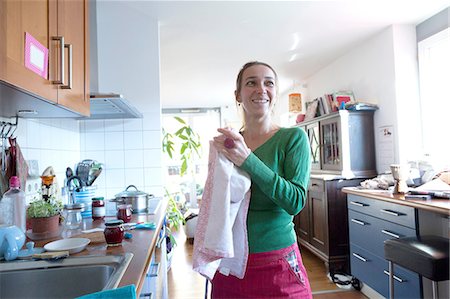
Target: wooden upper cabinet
45 20
73 26
39 19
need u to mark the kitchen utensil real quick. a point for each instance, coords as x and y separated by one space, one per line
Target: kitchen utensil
94 173
137 199
82 170
73 245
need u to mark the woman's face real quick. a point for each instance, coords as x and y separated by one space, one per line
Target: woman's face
258 90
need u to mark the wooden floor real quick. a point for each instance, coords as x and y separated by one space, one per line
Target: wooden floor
184 283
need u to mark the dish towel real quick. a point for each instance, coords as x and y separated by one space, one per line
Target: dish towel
220 241
126 292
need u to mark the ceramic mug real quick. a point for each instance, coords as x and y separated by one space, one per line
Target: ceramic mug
11 241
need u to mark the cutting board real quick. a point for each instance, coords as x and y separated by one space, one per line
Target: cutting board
95 237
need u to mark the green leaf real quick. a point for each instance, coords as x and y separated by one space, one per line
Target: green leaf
180 120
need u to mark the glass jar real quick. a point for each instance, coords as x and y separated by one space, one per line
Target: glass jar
114 232
98 208
124 212
72 215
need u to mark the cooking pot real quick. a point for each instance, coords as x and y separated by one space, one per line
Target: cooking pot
137 199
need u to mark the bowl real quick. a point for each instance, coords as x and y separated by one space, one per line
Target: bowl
73 245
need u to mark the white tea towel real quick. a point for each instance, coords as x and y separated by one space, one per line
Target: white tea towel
220 241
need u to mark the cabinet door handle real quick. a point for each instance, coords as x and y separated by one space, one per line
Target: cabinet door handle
359 257
61 61
359 204
386 232
69 79
395 277
389 212
358 222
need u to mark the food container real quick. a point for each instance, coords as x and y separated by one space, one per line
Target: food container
137 199
114 232
72 215
98 208
124 212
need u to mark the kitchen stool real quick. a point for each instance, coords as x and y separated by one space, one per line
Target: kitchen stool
427 255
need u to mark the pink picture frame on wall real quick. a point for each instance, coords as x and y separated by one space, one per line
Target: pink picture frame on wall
36 56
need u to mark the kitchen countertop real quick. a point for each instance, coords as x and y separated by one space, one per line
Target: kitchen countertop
437 205
142 245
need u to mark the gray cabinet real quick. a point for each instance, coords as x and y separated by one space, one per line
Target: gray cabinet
342 155
371 222
342 143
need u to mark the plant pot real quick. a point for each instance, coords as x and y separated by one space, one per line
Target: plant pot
45 224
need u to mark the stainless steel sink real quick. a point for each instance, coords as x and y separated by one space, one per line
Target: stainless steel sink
66 278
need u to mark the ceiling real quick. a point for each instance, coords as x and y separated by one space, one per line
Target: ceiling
203 44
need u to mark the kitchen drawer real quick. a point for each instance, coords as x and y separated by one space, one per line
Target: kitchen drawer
317 187
374 271
385 210
370 233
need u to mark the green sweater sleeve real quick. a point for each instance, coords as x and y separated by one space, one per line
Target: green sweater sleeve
281 171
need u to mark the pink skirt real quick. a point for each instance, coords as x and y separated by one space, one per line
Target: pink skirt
273 274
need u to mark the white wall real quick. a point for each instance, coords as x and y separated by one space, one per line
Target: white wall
128 63
381 70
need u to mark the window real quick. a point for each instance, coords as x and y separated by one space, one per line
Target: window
434 72
204 122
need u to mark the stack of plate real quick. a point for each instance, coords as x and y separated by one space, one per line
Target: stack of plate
85 195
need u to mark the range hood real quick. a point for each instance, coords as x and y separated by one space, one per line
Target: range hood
111 106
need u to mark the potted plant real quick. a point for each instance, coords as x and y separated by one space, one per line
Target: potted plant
44 215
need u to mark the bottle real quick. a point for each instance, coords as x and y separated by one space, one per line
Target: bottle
12 205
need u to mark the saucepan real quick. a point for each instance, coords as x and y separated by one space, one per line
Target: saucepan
137 199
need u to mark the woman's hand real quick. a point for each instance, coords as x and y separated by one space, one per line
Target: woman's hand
232 145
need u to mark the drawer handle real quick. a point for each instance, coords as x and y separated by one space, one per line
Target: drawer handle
61 61
359 204
358 222
389 212
386 232
154 270
395 277
69 79
359 257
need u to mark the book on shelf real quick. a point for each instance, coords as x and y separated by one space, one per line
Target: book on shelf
345 96
311 109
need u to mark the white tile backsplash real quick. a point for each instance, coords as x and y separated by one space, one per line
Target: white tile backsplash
132 124
152 139
115 178
135 176
133 140
134 158
130 154
97 125
114 159
95 141
114 125
152 158
114 140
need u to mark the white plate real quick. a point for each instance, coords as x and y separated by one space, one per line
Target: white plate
73 245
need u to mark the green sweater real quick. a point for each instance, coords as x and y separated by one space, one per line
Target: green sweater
279 170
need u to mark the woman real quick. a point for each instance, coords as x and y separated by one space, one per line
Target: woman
278 162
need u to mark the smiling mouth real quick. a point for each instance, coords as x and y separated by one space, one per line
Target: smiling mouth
260 101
